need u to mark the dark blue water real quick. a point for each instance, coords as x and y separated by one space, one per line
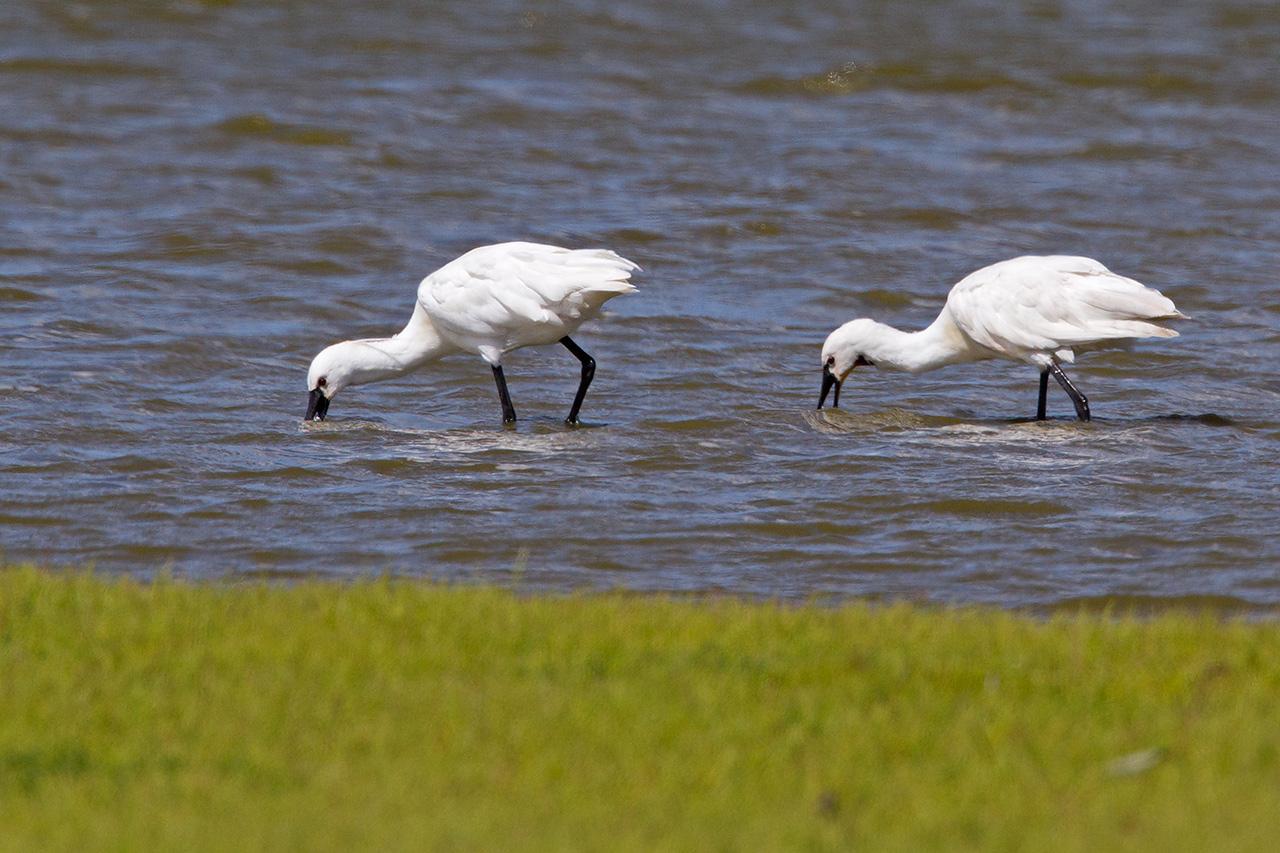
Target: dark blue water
197 197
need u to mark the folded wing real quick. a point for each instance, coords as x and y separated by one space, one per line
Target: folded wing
1049 305
497 298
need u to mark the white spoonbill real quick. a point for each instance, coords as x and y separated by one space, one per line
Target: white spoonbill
490 301
1038 310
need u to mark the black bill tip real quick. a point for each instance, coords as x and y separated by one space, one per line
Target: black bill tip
317 405
828 380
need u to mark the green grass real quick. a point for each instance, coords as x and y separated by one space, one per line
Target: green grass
397 714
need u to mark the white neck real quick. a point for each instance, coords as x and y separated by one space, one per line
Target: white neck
938 345
374 359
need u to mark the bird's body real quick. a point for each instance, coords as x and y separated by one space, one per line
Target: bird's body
498 298
1037 310
490 301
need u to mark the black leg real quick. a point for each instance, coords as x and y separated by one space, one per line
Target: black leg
508 410
1044 393
1078 400
588 372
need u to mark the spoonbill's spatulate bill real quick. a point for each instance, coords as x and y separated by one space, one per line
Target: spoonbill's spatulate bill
1038 310
490 301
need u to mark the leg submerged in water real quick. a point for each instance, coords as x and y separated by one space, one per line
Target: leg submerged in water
508 410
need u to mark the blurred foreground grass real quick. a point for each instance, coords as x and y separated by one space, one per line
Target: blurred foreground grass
408 715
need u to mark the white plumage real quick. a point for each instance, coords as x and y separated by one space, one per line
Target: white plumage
498 298
1039 310
490 301
1034 308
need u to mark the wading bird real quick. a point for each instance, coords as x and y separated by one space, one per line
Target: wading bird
490 301
1038 310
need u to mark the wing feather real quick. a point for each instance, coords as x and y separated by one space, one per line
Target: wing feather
499 297
1045 305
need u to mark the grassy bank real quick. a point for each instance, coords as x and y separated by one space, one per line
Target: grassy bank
324 716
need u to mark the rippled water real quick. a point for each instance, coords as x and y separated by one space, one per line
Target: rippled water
198 196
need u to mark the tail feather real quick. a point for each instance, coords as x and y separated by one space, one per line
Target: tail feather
1151 330
608 256
571 274
1118 329
619 287
1119 298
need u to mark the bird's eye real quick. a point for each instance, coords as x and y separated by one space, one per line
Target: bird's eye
831 361
322 382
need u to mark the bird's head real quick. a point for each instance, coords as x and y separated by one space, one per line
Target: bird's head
845 349
331 370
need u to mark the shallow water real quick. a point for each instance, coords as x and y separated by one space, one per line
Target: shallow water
198 196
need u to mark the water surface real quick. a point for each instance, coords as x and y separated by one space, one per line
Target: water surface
198 196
